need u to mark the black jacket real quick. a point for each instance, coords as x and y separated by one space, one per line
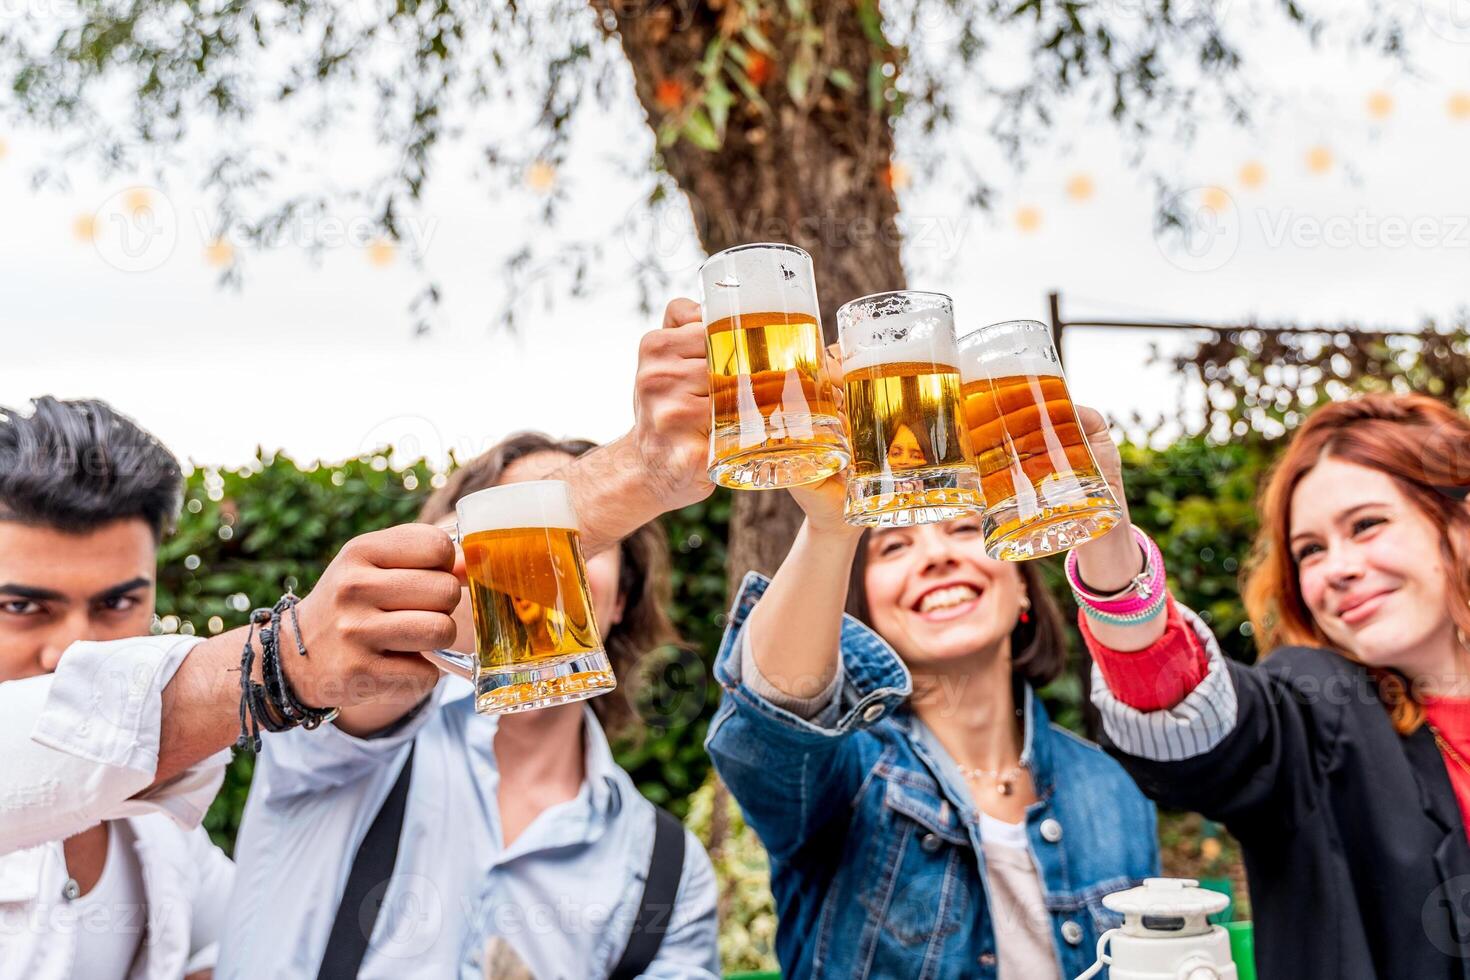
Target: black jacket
1354 844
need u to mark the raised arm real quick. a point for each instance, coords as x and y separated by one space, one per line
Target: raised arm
1153 664
800 681
128 719
659 465
1194 731
794 633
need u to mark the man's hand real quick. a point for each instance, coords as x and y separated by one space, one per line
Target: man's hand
386 596
671 408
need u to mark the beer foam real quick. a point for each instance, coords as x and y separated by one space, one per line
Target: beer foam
535 503
1008 350
977 363
758 280
914 336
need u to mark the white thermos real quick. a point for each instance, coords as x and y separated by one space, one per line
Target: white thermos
1166 934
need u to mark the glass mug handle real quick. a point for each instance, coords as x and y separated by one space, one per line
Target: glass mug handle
452 661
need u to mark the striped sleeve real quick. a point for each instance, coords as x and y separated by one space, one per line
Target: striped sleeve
1188 728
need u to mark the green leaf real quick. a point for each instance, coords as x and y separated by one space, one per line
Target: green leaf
798 77
746 86
843 79
872 23
717 100
700 131
877 84
758 40
714 53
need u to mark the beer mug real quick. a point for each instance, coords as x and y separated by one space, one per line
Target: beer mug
536 638
775 421
1043 491
911 460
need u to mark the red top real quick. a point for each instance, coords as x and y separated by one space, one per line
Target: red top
1162 675
1159 676
1451 716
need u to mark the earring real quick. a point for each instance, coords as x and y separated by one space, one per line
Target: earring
1025 609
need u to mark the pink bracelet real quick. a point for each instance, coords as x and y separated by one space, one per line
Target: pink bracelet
1144 594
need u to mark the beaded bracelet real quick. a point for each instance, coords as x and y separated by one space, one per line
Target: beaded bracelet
272 705
1144 598
1130 620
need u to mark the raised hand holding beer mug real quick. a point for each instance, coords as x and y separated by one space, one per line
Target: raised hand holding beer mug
774 413
1043 491
536 638
912 462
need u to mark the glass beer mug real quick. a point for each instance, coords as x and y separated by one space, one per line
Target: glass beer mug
775 420
1043 491
536 637
911 460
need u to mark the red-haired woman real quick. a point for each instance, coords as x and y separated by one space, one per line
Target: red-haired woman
1342 761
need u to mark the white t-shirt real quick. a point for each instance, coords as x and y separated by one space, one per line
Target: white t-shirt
1023 940
109 917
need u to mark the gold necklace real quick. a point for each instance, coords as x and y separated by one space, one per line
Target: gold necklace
1005 779
1447 749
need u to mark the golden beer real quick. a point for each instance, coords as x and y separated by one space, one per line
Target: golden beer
774 415
911 458
536 637
1042 487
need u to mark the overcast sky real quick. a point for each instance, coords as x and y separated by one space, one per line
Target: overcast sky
1349 202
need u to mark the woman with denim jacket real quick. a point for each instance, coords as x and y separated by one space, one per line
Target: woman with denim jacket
922 817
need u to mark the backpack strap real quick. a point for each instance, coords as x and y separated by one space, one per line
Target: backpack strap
665 869
372 868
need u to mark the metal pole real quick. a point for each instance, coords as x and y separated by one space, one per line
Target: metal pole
1057 326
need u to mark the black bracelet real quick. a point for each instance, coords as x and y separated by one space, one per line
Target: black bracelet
275 715
286 700
250 693
272 705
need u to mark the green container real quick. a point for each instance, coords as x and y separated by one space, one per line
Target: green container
1243 948
1227 888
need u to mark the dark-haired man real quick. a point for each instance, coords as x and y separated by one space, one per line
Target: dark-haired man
115 742
135 723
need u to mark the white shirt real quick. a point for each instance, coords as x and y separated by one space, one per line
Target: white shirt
562 896
107 914
80 748
1023 940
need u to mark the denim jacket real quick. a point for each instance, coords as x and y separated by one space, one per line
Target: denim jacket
876 864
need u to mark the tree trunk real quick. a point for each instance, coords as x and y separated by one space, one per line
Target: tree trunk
813 172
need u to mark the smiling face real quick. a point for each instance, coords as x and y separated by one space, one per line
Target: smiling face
57 588
935 595
1370 568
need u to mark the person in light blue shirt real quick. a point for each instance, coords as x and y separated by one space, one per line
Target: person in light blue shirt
524 848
